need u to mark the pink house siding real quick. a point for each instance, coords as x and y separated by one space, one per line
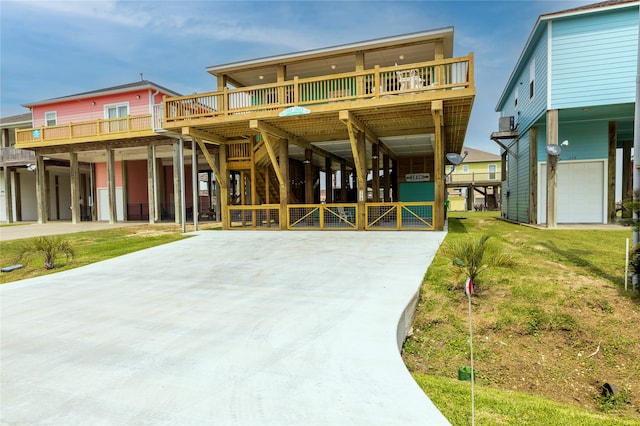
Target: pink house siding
101 174
137 188
78 110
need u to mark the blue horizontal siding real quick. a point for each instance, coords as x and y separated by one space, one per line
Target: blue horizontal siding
594 59
588 140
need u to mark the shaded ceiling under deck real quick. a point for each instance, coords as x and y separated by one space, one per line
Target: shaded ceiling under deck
407 129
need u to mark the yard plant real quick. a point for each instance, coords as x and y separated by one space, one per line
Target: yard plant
48 248
554 327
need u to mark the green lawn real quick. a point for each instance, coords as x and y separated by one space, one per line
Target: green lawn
90 247
535 325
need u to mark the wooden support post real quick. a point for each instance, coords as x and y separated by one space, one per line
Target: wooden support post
328 181
611 175
223 188
283 177
386 180
177 185
394 181
41 190
533 175
439 184
111 178
151 191
362 180
375 170
627 183
74 172
344 179
254 193
17 195
7 194
552 166
125 190
195 185
308 177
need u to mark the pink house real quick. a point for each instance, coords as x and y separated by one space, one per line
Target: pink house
103 155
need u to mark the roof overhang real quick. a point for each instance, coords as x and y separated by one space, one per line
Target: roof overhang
405 49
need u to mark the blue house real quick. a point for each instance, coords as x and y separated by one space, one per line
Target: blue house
566 111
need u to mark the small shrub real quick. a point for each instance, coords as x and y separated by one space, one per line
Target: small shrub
49 248
471 257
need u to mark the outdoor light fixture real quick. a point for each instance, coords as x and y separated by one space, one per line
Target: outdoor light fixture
565 143
553 149
93 103
31 167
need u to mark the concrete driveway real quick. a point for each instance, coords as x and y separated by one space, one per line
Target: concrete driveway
226 328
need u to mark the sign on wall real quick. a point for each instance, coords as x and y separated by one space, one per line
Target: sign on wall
417 177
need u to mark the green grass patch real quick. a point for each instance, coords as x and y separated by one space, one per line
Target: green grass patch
557 324
502 407
90 247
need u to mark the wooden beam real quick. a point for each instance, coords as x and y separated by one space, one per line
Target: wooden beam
268 143
375 170
328 181
346 115
627 190
353 139
438 156
263 127
74 172
111 178
212 163
151 191
41 190
205 136
611 173
496 139
552 165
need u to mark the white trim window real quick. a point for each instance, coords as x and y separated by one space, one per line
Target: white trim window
465 168
116 110
492 171
117 116
51 118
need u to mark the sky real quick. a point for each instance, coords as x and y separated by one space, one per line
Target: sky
50 49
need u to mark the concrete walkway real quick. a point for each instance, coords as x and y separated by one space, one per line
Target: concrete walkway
33 229
226 328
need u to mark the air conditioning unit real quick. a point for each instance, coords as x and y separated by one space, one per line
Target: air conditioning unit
506 124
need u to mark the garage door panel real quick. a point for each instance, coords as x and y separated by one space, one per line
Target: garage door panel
580 192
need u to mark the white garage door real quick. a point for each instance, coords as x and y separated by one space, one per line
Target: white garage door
581 192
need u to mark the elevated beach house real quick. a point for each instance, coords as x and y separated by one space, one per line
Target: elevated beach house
102 155
567 111
367 123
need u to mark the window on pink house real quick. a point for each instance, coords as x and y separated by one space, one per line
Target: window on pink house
50 118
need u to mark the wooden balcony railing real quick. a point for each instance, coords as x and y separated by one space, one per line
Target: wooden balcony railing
447 74
474 177
86 130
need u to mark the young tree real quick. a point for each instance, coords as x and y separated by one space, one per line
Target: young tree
473 256
46 247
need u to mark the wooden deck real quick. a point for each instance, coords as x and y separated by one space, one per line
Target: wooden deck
103 130
389 101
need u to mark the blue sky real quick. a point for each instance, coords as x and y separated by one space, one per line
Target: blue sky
56 48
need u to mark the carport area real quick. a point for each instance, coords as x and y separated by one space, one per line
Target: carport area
225 328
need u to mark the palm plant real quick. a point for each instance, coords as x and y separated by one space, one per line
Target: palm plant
46 247
473 256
